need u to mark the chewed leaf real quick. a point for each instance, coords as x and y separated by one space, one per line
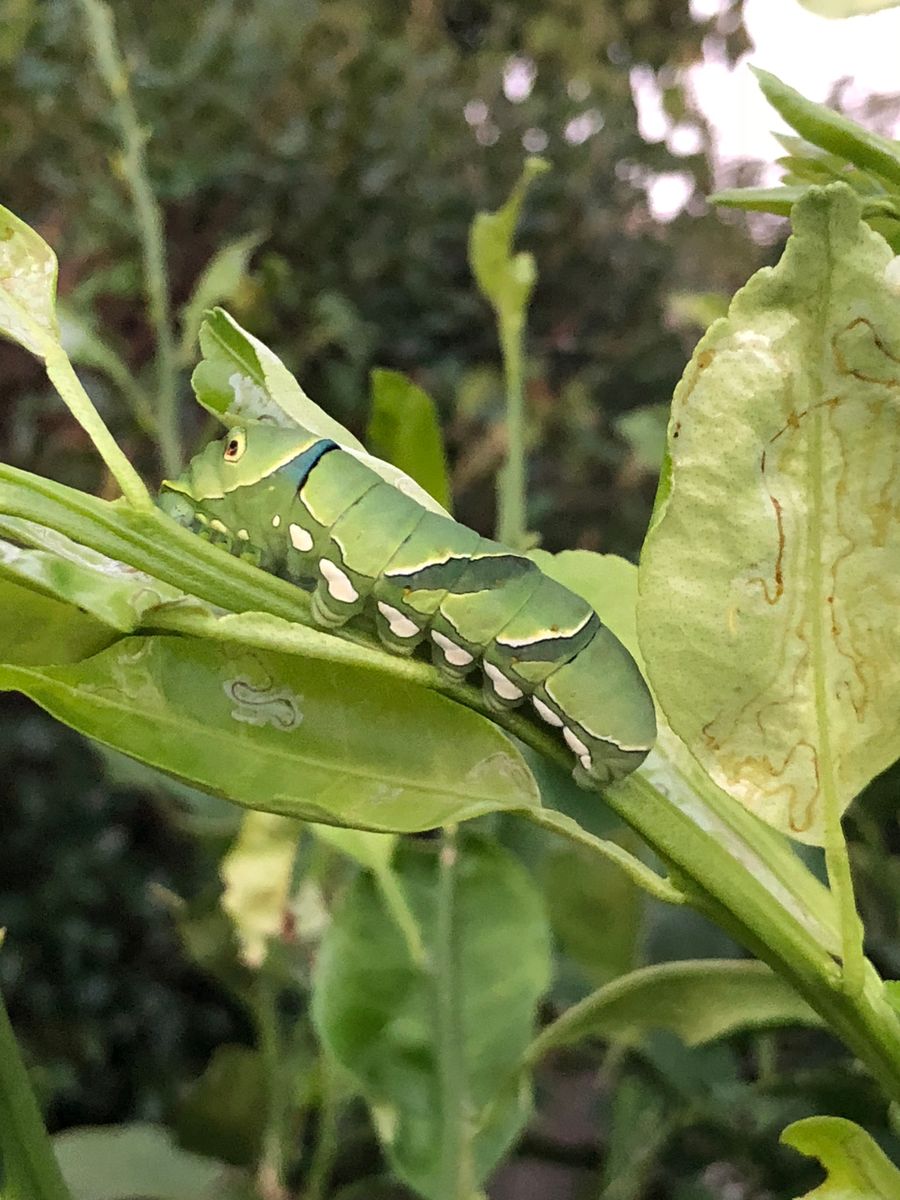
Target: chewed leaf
241 378
770 579
27 286
857 1168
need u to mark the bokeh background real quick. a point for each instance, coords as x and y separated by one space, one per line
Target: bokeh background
351 142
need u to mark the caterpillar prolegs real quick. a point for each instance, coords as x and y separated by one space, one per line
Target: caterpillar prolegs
312 512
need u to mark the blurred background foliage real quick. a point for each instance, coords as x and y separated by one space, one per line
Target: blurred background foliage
350 143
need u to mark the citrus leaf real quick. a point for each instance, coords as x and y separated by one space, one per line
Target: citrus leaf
770 578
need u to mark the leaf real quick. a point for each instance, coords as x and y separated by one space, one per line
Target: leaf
28 271
219 282
846 8
833 132
313 739
28 1170
770 577
36 630
376 1011
240 377
857 1168
404 429
505 279
223 1112
113 593
256 873
123 1161
699 1000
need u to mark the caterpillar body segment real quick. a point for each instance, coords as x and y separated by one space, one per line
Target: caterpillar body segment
308 511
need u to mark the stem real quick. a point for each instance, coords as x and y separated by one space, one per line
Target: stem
326 1149
836 858
28 1166
638 872
62 375
148 217
403 916
512 522
270 1172
455 1173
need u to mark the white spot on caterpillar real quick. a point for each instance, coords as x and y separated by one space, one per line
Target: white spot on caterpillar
455 655
401 626
243 535
300 539
276 521
219 526
546 635
339 586
546 713
585 760
574 742
504 687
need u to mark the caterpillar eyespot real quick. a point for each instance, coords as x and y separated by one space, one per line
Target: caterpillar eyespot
324 519
235 446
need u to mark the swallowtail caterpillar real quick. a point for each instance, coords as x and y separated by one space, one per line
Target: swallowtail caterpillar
310 511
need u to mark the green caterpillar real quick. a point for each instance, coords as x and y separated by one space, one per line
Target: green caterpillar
306 509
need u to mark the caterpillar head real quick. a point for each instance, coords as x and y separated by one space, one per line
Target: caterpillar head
247 454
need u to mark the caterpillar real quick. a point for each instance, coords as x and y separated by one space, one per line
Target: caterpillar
308 510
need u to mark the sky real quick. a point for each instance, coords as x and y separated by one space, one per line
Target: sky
808 52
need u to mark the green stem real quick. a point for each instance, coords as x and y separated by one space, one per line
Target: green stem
271 1169
62 375
512 520
28 1166
455 1166
326 1148
403 916
148 217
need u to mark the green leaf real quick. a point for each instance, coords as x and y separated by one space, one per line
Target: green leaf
376 1011
36 630
838 134
219 282
699 1000
117 595
504 278
404 429
223 1112
28 1170
857 1168
847 8
770 578
28 270
322 741
122 1161
595 910
241 378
